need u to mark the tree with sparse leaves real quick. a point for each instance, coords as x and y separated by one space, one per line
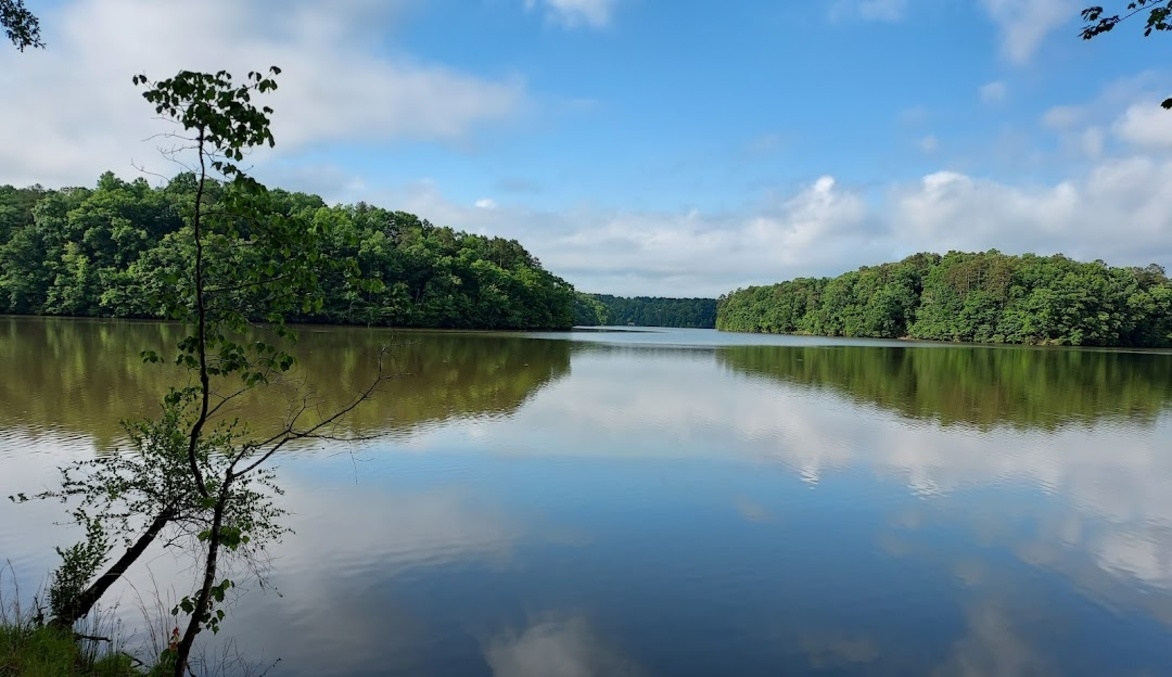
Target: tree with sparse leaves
235 245
21 26
196 476
1099 21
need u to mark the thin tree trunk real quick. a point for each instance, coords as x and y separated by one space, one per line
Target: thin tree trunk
201 610
201 318
84 602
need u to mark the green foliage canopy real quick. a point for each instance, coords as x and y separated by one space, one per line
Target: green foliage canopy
968 297
116 249
593 310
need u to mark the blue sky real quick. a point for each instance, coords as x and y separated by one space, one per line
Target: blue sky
647 147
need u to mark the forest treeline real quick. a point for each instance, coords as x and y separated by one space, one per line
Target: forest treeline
592 310
100 251
986 297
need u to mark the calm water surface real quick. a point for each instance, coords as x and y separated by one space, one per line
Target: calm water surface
664 503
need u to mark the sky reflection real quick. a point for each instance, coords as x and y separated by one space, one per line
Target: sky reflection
654 512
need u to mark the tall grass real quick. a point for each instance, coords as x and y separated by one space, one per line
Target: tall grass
30 648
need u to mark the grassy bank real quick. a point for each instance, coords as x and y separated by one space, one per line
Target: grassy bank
41 651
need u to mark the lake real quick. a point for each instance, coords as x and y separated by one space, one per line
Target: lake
668 502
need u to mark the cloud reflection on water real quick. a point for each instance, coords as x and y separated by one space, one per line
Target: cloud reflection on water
394 557
1112 478
567 648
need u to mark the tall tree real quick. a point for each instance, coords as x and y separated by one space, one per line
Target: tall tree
196 471
21 26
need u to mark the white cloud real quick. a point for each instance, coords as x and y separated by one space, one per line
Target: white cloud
1110 204
1146 88
1146 126
993 92
1024 24
1091 141
574 13
685 252
1062 117
78 113
1125 117
1114 208
1112 212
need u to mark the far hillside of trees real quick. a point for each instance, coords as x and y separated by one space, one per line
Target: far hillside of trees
985 297
592 310
101 252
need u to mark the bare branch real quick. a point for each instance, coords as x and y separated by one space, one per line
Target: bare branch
143 170
312 431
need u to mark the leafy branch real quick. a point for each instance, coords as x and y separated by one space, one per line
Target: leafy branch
21 27
1098 21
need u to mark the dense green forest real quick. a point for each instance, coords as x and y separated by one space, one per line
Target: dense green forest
99 252
970 297
591 310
